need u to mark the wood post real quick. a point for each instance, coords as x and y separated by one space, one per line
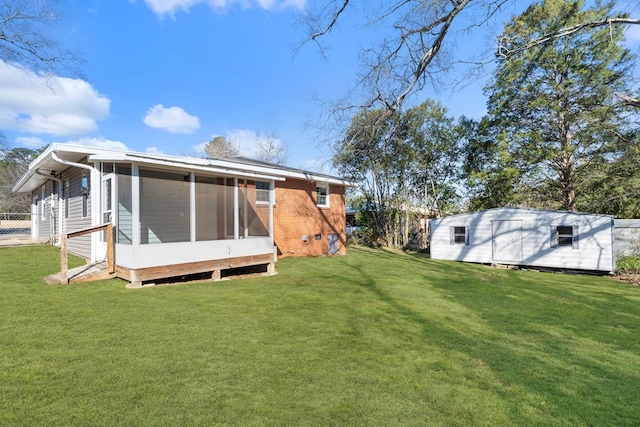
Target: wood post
64 269
111 268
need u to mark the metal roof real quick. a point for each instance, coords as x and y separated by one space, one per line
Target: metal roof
45 165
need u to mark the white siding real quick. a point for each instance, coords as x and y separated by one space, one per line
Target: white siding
593 250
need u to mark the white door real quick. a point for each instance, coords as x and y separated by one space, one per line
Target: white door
507 240
107 211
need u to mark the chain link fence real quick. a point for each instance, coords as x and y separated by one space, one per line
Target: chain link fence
14 227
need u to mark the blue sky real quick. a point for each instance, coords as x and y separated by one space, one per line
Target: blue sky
169 75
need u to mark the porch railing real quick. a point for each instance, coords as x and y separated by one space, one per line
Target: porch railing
64 266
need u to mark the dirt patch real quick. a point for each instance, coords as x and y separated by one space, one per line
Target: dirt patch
633 279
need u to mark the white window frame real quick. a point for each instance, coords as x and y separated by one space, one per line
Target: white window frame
262 192
325 186
43 198
455 233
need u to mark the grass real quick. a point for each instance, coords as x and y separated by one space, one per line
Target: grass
373 338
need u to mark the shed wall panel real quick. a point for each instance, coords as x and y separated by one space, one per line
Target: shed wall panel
594 251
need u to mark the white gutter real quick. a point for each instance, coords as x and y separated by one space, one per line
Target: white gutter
55 157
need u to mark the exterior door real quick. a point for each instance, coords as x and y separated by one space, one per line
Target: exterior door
107 211
507 240
334 243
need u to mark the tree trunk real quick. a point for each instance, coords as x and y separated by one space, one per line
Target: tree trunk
566 166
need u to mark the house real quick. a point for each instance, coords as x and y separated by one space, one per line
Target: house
526 237
174 216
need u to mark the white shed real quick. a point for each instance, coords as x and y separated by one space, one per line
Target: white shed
528 237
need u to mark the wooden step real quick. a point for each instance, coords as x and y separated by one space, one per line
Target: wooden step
84 273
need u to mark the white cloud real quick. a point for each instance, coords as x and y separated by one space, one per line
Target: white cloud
172 119
30 141
164 8
42 104
199 149
153 150
100 142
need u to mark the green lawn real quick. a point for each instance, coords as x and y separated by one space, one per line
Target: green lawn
373 338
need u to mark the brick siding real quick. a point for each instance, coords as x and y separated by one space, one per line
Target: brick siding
296 215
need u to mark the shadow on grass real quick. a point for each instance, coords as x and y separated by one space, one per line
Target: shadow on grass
555 345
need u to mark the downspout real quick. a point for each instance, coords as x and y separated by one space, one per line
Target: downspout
94 218
59 181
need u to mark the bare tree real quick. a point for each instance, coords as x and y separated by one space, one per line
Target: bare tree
221 147
26 39
407 57
271 149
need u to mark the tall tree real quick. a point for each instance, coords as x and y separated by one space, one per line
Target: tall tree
555 100
368 154
13 164
221 147
406 164
435 164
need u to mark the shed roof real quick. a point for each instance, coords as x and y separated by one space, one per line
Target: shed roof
527 211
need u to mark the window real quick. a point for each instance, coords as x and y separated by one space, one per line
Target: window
84 185
65 196
459 235
564 235
322 195
42 201
262 192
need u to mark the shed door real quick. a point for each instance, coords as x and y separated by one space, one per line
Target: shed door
507 240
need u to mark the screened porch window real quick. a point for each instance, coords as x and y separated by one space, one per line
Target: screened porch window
125 205
254 222
164 207
212 199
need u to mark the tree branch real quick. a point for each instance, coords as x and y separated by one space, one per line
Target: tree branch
632 102
505 53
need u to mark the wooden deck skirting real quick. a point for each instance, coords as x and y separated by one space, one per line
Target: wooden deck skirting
64 265
137 276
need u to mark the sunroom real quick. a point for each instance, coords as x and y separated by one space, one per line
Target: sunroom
172 219
166 216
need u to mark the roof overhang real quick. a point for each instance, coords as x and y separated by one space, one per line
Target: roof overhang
46 165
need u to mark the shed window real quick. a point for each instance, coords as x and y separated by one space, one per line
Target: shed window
564 235
459 235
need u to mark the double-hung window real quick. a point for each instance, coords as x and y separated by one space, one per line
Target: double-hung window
262 192
322 195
